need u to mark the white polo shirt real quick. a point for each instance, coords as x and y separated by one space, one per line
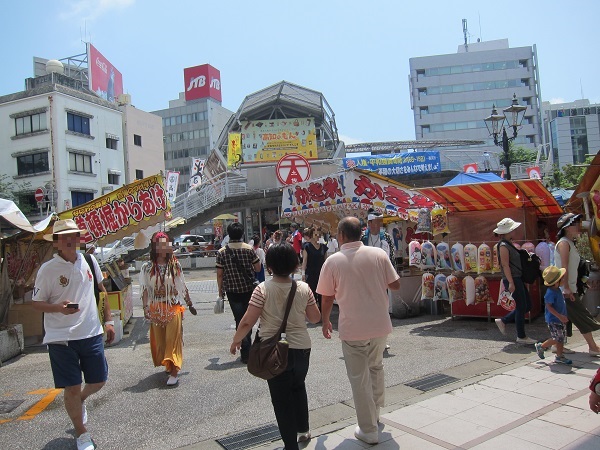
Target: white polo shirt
59 280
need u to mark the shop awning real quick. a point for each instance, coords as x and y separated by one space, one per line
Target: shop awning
495 195
590 177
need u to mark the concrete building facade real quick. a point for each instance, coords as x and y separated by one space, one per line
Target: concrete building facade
573 130
452 94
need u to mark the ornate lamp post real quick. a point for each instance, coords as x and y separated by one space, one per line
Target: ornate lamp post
496 121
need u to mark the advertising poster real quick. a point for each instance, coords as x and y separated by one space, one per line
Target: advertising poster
234 151
120 213
202 82
196 172
172 182
397 164
105 80
470 168
270 140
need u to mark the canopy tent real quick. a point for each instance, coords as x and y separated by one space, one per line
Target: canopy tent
324 201
10 212
589 179
470 178
528 193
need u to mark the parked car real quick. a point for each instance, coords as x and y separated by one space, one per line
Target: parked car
114 249
191 245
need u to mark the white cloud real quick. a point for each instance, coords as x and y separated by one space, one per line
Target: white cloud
553 101
91 9
350 140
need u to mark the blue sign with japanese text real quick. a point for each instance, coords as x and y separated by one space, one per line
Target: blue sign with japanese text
398 163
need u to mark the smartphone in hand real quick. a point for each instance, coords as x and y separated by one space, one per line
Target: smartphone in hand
73 305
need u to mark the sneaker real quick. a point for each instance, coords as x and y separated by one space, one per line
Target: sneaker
501 326
562 360
83 413
172 381
540 350
526 341
303 437
566 350
369 438
84 442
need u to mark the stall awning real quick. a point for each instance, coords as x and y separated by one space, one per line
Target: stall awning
495 195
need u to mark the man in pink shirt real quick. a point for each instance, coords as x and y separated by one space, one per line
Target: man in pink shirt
357 277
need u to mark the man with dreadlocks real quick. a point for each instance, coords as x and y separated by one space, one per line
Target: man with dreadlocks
163 291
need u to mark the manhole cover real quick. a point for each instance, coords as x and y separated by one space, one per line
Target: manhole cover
7 406
431 382
250 438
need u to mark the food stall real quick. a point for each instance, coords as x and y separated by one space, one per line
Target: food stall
121 213
473 212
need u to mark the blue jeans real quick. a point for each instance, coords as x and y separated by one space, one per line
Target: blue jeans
288 395
238 302
522 306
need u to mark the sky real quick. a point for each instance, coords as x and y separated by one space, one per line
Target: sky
356 53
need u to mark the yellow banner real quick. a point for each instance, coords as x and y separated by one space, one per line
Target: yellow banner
123 212
234 150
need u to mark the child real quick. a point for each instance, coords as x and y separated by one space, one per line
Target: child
556 314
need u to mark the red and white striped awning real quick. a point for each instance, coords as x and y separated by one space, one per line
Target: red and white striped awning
495 195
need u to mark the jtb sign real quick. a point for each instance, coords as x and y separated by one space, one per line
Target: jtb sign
201 82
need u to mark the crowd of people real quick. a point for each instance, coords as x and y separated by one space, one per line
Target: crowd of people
353 266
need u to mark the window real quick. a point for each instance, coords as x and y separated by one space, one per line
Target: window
111 143
113 178
30 123
139 174
80 163
78 124
79 198
32 164
137 140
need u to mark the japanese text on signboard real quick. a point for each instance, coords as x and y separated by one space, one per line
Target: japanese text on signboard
397 164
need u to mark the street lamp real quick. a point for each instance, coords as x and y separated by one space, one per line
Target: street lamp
496 121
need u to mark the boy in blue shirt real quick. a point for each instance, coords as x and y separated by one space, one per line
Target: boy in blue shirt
556 314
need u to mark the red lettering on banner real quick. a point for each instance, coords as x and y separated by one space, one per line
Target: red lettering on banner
135 210
302 195
95 225
332 188
396 197
364 186
315 190
109 219
160 196
121 213
148 205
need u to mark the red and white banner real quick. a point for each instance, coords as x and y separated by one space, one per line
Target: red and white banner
292 168
470 168
534 173
105 80
171 185
201 82
197 172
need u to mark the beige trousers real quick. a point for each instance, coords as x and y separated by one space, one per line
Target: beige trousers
364 366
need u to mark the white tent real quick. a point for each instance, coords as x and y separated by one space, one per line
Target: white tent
11 212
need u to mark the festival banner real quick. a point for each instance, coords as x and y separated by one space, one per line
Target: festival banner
534 172
123 212
234 150
397 164
270 140
470 168
172 182
196 172
352 190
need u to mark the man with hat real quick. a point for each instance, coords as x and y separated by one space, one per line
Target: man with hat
566 256
64 292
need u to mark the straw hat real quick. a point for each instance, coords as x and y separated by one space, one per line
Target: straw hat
566 220
67 226
506 225
552 275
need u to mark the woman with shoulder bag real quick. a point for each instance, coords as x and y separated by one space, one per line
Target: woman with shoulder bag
510 264
268 303
566 256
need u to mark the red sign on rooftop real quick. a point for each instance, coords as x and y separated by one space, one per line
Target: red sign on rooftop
202 82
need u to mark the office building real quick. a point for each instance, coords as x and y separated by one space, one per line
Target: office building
452 94
573 130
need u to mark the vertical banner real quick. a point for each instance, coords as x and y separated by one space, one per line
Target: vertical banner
234 150
172 182
196 172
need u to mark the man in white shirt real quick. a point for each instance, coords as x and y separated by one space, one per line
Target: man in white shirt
64 292
332 245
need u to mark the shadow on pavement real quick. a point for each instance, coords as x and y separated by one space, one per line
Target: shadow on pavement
214 364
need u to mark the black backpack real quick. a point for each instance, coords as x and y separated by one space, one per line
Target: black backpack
530 264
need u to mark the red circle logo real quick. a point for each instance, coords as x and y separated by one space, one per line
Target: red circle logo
292 168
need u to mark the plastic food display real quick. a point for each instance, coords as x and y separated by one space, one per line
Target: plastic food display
428 255
470 252
484 259
427 290
443 256
469 289
440 287
455 288
482 290
414 254
458 257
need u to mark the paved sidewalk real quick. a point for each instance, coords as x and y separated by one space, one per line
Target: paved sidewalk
505 401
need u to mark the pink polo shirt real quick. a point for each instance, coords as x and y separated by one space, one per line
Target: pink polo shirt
358 276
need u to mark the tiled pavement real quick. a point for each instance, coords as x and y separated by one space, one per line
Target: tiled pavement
540 405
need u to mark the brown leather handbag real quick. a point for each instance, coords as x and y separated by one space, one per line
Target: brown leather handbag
269 357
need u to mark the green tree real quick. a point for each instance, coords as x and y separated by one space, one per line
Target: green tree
518 154
570 176
11 190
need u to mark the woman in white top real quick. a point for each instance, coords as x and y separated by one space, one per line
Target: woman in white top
268 302
260 276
